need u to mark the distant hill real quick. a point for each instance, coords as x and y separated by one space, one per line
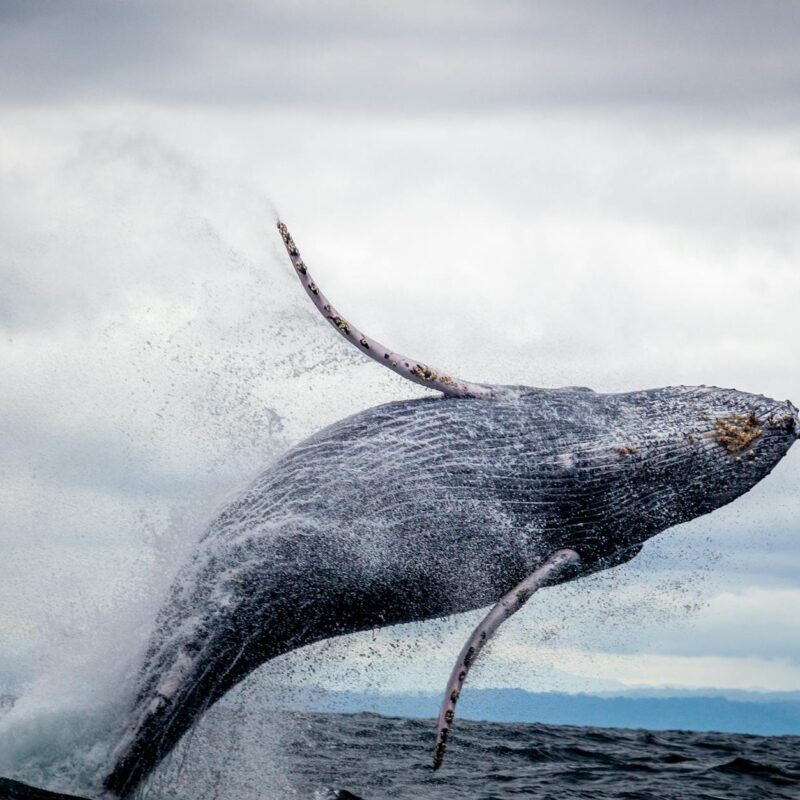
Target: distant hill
695 713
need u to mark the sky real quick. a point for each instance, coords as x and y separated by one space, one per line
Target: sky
550 193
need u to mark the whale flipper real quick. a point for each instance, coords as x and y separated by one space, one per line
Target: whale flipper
409 368
14 790
551 569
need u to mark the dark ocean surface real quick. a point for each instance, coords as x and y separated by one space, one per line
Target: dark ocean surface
371 757
247 755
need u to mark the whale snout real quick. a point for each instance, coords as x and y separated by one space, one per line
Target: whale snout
753 432
785 417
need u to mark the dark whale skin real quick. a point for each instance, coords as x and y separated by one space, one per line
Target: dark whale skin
425 508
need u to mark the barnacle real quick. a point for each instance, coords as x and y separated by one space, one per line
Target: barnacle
340 323
438 756
785 421
738 431
424 373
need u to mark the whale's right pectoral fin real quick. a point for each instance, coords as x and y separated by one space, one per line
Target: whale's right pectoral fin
14 790
550 571
409 368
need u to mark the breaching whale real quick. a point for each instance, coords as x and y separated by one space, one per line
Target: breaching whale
425 508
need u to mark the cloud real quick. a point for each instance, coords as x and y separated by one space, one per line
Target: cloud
405 57
733 626
542 653
696 672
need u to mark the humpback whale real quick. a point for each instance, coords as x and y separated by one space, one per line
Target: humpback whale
418 509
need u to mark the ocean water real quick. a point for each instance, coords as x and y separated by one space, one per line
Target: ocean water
241 755
373 757
342 756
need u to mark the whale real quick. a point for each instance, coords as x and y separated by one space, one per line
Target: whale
474 497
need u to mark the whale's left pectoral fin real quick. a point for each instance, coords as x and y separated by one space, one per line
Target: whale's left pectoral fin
551 570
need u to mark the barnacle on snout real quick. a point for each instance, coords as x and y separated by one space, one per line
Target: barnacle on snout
738 431
784 421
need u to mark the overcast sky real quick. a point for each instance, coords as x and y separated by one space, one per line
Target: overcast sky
550 193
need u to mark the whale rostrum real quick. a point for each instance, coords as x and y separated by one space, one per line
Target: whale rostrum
425 508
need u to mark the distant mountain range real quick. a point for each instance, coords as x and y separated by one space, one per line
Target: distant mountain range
756 713
728 711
